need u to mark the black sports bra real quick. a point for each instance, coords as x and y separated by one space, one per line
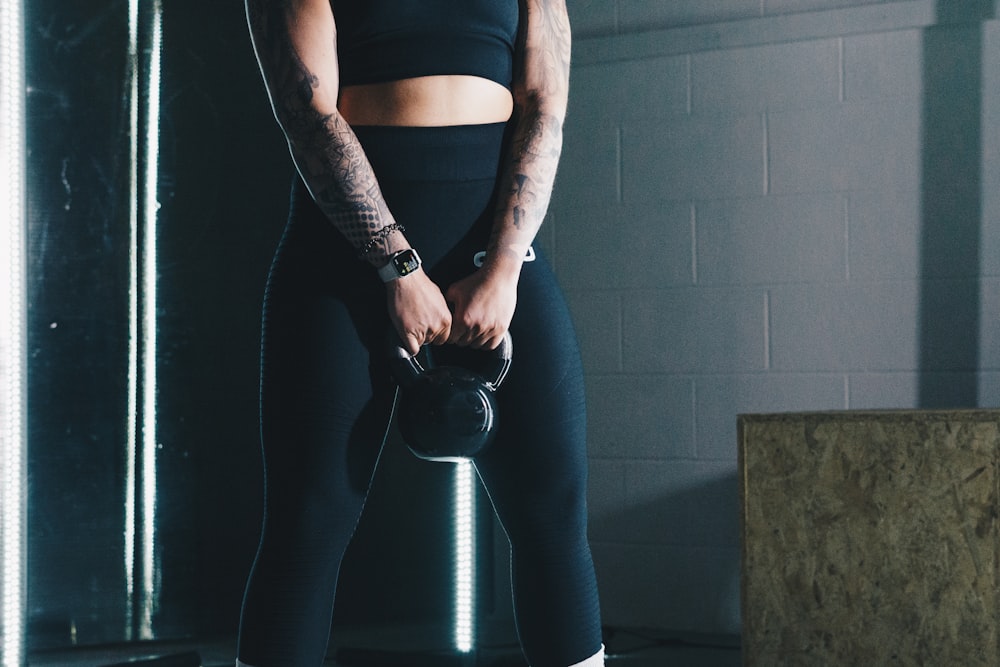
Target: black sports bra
388 40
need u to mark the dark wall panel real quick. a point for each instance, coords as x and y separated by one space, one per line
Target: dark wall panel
77 326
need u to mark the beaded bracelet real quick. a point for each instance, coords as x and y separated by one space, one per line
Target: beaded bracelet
378 237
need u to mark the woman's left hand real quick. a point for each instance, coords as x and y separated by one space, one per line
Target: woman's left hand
482 307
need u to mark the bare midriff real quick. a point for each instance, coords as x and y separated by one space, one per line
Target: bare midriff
427 101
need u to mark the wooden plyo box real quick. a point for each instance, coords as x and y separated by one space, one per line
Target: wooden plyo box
870 538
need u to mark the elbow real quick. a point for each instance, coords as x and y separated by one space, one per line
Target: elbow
547 97
535 108
301 113
537 94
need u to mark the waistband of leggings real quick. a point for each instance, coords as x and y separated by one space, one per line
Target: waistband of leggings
451 153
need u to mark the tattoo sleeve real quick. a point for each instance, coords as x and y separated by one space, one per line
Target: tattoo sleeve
541 89
303 94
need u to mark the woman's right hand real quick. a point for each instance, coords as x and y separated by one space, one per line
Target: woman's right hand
418 310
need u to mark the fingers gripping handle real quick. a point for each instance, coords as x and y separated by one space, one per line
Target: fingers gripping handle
407 367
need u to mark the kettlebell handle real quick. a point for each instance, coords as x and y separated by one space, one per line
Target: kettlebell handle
504 354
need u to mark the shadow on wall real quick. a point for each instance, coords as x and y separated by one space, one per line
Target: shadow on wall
687 540
951 205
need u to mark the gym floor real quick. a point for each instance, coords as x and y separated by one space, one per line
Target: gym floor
625 649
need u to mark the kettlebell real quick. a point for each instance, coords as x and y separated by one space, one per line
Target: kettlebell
447 412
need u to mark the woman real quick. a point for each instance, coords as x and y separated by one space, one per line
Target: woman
423 134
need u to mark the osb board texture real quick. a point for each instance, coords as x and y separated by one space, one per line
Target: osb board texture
870 538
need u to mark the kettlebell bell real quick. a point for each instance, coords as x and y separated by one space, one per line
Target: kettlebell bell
447 412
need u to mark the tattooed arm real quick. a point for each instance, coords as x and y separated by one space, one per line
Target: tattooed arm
295 43
541 90
484 302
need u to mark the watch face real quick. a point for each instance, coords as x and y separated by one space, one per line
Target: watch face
406 262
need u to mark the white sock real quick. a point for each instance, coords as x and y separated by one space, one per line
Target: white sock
596 660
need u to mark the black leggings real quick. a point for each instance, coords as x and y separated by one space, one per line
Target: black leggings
326 398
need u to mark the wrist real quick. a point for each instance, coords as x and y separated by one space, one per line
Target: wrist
503 268
385 242
379 240
506 261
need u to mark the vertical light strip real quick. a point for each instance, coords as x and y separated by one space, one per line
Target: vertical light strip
465 556
145 42
133 317
149 307
13 476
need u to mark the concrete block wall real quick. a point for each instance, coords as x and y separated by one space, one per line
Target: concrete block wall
747 220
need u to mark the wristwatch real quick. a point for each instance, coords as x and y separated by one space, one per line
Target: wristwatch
402 263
